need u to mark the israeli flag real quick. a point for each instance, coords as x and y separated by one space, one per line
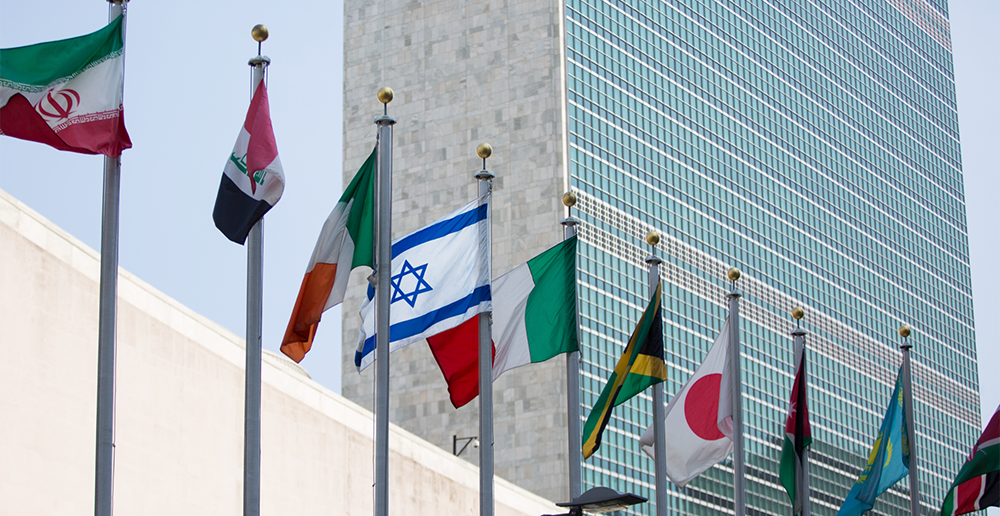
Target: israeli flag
440 279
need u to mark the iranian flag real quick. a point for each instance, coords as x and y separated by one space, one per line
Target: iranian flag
798 436
345 242
534 319
977 485
67 94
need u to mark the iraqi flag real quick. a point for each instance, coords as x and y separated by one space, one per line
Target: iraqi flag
640 366
798 435
68 93
534 319
696 421
345 242
977 485
440 279
252 181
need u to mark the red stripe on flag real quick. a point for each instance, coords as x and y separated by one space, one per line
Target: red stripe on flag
457 354
105 135
261 149
967 495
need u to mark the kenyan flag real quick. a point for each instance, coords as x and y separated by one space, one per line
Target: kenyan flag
977 485
67 93
797 434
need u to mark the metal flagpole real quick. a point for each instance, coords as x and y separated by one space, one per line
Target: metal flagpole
573 375
904 331
737 384
659 401
255 316
802 474
486 505
383 277
106 326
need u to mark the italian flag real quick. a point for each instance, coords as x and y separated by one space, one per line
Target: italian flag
977 485
67 94
798 435
346 242
534 319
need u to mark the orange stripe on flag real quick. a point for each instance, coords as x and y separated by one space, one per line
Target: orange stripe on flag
309 306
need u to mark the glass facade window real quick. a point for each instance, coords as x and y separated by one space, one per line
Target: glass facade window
815 146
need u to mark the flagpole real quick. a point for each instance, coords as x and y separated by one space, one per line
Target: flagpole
383 277
575 455
904 331
802 476
739 504
659 401
255 316
106 326
486 505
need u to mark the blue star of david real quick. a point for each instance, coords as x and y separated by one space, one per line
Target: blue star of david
420 287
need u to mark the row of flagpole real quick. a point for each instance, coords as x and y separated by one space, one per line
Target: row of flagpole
104 462
252 231
381 279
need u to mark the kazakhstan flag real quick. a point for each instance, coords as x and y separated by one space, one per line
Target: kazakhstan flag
887 462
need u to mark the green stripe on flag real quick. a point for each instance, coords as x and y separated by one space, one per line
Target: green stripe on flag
623 385
33 67
361 219
550 314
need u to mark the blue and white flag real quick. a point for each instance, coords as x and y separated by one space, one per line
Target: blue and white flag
888 460
440 279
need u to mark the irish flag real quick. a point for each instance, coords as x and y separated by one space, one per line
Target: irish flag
534 319
798 436
345 242
67 94
977 485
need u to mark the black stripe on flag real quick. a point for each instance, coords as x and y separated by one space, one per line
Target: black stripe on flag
235 212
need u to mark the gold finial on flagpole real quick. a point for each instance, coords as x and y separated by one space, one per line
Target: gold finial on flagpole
798 313
259 33
385 96
653 238
733 274
569 199
484 150
904 331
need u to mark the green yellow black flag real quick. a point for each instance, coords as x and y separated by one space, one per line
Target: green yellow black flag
639 367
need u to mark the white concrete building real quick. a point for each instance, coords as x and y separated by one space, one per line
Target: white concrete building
179 431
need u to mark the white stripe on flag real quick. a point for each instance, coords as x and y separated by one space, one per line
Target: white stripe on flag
440 279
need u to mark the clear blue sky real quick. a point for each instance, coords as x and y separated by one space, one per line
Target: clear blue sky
186 92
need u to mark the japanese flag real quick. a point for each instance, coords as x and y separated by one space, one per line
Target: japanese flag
699 418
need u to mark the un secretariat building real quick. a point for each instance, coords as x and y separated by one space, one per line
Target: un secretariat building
812 144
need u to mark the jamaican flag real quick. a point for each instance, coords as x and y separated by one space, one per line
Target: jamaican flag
639 367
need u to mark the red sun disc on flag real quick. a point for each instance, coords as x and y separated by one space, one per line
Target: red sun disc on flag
701 407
